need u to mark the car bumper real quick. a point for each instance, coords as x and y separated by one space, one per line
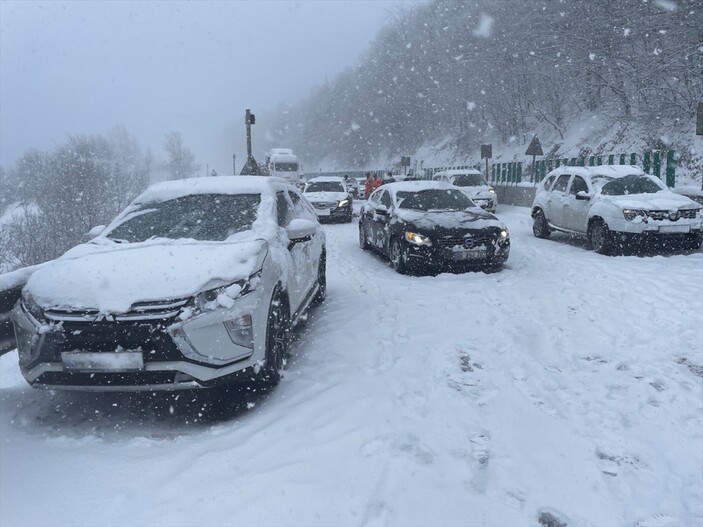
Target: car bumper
173 354
422 258
332 212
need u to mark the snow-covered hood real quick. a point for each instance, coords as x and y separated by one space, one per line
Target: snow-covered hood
112 279
316 197
482 191
663 200
471 219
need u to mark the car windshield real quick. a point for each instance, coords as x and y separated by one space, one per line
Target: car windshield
469 180
434 200
632 184
201 217
285 167
324 186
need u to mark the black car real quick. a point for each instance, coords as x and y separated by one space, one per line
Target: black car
425 226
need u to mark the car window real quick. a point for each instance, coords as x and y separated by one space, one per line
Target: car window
386 199
435 200
284 209
633 184
199 216
301 208
548 182
578 185
469 180
562 183
437 178
375 197
325 186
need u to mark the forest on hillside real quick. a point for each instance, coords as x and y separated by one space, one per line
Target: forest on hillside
484 69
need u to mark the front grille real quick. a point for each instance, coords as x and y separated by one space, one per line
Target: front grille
324 204
149 337
448 243
688 214
139 311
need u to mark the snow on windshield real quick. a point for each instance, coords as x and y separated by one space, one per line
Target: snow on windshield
632 184
324 186
199 217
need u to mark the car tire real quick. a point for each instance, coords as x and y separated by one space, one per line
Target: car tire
363 242
540 227
277 338
321 281
397 256
599 237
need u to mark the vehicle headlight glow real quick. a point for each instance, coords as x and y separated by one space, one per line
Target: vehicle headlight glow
492 190
631 214
504 233
418 239
343 203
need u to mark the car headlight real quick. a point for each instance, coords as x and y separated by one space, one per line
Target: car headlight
418 239
492 190
343 203
505 233
631 214
31 307
224 296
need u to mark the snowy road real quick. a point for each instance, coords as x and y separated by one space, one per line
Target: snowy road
568 387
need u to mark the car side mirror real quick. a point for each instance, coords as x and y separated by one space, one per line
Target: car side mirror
381 210
96 231
583 195
300 230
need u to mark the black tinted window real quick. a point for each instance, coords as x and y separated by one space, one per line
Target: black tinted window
469 180
435 200
578 185
386 199
562 183
630 185
324 186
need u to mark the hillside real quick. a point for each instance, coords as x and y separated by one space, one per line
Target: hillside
444 77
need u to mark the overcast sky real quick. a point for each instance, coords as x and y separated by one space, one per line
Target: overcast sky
83 67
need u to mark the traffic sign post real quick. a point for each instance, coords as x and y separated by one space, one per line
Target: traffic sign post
486 153
534 150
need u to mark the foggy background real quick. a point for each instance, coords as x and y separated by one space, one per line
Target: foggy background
154 67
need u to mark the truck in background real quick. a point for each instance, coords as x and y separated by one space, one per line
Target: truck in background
283 163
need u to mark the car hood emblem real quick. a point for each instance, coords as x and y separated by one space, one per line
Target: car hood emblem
468 244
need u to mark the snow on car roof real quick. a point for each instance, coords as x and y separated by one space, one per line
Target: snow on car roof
416 186
613 171
458 171
211 185
336 179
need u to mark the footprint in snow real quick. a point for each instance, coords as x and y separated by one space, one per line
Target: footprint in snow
659 520
550 518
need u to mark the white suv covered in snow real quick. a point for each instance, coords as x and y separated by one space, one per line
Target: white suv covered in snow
612 205
472 183
196 283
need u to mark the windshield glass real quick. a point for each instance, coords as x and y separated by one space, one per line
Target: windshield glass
201 217
324 186
285 167
469 180
630 185
434 200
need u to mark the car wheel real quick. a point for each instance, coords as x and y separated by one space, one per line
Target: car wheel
363 242
277 339
599 237
540 227
321 281
398 257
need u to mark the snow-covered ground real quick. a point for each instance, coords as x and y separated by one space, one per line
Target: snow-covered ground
566 388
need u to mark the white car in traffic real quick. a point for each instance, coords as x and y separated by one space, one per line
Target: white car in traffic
472 183
613 205
197 283
330 197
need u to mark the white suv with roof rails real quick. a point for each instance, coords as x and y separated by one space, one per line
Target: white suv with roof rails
614 204
472 183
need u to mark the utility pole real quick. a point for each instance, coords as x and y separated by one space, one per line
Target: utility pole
234 164
251 167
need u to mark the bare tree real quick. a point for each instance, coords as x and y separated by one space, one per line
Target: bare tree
181 161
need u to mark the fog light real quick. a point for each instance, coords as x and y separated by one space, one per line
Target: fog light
240 331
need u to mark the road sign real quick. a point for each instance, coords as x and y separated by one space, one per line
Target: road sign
405 161
535 149
486 151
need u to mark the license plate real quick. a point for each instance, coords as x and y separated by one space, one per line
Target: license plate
106 361
669 229
323 212
473 254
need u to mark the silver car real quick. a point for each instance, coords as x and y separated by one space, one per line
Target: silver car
197 283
